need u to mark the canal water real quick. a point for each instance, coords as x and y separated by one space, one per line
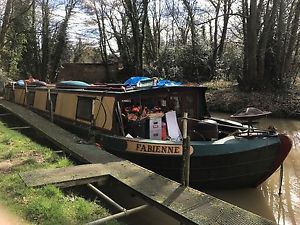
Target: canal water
265 200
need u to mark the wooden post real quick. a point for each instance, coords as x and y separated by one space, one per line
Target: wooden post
186 154
281 178
26 95
12 98
50 105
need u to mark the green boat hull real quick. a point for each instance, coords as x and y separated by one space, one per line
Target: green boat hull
231 162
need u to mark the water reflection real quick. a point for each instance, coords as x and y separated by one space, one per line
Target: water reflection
265 200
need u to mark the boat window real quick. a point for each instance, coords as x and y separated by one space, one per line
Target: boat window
174 103
188 105
178 102
84 108
53 99
30 98
181 104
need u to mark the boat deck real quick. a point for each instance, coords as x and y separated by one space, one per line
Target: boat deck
191 205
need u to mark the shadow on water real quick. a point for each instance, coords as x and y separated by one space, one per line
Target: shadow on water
265 200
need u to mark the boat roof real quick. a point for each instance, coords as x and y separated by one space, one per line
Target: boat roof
121 90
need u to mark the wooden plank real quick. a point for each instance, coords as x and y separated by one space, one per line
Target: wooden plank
189 204
196 206
56 176
64 177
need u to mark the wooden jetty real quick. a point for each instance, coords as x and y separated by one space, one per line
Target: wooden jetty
188 204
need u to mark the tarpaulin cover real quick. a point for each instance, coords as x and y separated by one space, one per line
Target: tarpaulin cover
20 83
133 81
72 83
167 83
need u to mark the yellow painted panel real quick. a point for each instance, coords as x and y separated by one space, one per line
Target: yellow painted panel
20 96
66 105
40 100
103 113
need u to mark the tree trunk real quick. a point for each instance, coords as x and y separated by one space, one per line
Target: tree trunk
293 39
60 44
215 40
138 30
287 35
227 8
191 17
265 36
5 22
45 40
280 40
245 46
102 35
252 77
36 59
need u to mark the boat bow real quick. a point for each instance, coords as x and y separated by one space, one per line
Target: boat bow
284 149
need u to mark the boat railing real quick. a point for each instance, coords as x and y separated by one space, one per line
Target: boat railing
241 131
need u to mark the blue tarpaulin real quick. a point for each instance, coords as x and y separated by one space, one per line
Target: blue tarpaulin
20 83
133 81
167 83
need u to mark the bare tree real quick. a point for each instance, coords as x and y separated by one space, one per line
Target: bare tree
137 12
45 39
294 35
153 31
270 40
5 21
60 41
220 6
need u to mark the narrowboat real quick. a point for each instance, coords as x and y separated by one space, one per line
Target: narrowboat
143 123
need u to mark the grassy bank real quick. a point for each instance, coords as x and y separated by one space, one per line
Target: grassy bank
224 96
46 205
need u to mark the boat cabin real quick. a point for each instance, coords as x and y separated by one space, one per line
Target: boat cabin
151 113
148 113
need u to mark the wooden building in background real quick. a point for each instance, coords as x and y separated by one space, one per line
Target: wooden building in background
89 72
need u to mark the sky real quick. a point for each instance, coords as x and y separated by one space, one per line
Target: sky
80 25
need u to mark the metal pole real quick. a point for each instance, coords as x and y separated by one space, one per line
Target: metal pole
118 215
19 128
186 154
26 95
50 105
104 196
281 178
12 98
5 114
